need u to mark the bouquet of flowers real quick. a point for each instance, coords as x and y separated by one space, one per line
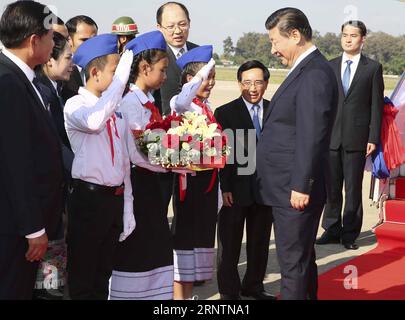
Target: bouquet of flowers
188 141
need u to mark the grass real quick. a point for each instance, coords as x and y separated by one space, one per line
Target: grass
278 76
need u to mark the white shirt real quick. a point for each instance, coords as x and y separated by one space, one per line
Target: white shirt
251 111
353 66
177 50
29 73
302 57
137 117
183 102
86 119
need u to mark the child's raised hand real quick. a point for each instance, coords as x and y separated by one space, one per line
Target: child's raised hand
124 66
205 71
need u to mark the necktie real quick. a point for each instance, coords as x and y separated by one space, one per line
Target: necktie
180 53
256 121
346 77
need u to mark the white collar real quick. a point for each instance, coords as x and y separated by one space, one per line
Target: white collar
250 105
143 98
90 97
177 50
355 59
302 57
29 73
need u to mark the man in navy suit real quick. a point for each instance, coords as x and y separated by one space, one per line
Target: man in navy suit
292 152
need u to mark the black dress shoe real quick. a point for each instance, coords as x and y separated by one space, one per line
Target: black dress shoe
350 245
261 295
327 239
230 297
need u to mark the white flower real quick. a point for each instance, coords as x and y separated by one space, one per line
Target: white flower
211 152
186 146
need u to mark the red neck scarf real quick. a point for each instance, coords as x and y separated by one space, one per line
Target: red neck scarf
110 136
155 116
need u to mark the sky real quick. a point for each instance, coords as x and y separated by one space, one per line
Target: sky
214 20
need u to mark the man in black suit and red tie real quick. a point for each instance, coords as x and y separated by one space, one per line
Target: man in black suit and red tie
355 135
292 152
244 117
31 169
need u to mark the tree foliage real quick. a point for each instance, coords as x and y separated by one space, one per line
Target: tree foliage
387 49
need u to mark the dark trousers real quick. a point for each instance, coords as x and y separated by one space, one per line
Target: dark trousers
231 223
347 167
17 275
95 223
295 234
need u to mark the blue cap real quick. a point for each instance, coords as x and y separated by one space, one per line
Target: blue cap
147 41
98 46
199 54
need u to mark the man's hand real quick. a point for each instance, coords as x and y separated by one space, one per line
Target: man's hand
228 199
37 248
371 147
299 201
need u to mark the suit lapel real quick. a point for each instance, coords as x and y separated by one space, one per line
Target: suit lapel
337 68
290 79
266 109
38 103
243 113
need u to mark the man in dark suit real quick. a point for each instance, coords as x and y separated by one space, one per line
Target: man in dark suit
80 28
243 120
31 170
173 20
355 135
292 152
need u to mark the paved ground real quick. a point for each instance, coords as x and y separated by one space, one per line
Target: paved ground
328 256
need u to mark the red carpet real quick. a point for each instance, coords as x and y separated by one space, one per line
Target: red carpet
381 272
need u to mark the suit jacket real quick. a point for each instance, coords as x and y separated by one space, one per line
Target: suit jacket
70 88
235 115
56 110
292 153
359 114
172 85
31 171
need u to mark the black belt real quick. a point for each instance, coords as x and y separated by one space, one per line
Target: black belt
116 191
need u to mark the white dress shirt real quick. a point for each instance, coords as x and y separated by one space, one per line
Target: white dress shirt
137 117
177 50
30 74
302 57
183 102
86 119
353 66
251 111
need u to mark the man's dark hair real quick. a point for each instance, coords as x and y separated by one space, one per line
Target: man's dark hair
253 64
99 63
22 19
288 19
72 23
60 22
356 24
159 13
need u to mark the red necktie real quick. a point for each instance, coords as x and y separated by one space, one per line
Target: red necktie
155 116
111 136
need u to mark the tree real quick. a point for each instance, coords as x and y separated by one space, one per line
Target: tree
229 49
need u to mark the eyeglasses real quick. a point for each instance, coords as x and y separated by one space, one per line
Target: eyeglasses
256 83
183 26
